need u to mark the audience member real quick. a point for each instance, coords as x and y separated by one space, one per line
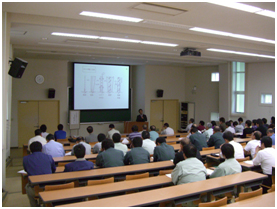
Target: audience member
148 144
91 137
191 121
229 128
201 126
81 140
60 134
197 139
153 133
240 120
261 127
80 163
213 123
134 133
255 142
254 124
272 123
167 130
43 129
238 127
97 147
55 149
141 117
118 145
112 131
209 131
222 124
37 138
247 129
271 134
163 151
228 137
144 128
216 139
265 123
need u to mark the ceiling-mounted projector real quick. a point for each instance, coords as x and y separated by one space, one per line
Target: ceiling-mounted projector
190 52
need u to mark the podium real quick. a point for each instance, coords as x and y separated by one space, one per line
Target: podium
128 126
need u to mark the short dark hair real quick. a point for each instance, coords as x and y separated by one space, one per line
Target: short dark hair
50 137
137 142
257 135
184 141
111 125
79 151
35 146
191 120
254 121
140 110
189 150
134 128
267 141
160 140
260 122
222 119
145 135
240 119
202 122
116 137
193 129
228 123
152 128
80 138
216 129
101 137
228 150
235 123
228 135
60 127
144 126
37 132
107 143
43 128
213 123
90 129
264 120
273 120
248 123
166 124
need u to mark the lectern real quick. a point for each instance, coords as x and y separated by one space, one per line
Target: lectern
128 126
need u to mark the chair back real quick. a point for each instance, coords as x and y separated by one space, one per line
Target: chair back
217 203
207 148
243 159
62 164
137 176
246 195
272 189
92 143
163 172
170 136
248 135
101 181
58 187
62 140
170 143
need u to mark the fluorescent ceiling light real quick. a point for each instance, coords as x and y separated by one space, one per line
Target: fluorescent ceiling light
108 16
221 33
240 53
120 39
246 8
74 35
159 43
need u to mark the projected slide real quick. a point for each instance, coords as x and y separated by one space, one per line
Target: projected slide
101 86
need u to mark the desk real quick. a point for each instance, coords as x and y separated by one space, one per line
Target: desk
98 173
265 200
104 189
242 140
71 158
179 193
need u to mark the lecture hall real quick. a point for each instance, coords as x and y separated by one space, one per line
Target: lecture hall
156 104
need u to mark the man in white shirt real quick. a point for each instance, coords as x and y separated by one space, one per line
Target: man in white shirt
209 131
55 149
251 145
43 129
229 128
191 121
265 155
81 140
118 145
147 143
37 138
167 130
111 131
228 137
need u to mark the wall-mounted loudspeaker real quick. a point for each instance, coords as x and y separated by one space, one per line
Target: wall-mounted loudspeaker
160 93
17 68
51 93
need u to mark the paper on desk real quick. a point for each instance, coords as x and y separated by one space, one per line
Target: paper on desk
168 175
172 160
248 162
125 141
67 154
209 171
22 171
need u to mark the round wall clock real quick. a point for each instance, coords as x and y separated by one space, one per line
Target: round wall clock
39 79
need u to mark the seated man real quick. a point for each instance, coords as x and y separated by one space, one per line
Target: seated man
197 139
134 133
216 139
97 146
247 129
55 149
37 163
108 156
153 133
144 128
81 140
189 170
137 155
265 123
240 120
80 163
261 127
37 138
250 147
222 124
271 134
111 131
60 134
230 165
209 131
229 128
254 124
179 156
148 144
191 121
201 126
163 151
43 129
91 137
265 155
167 130
238 127
228 137
118 145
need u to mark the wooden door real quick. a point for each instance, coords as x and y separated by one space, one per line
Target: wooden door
156 114
171 113
27 121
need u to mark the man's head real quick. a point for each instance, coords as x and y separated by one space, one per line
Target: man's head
111 126
256 135
145 135
101 137
227 151
254 122
264 120
272 120
135 128
221 120
160 140
137 142
35 147
183 142
228 136
228 123
202 123
235 123
50 137
166 125
43 128
193 130
140 111
60 127
209 125
191 120
79 151
259 122
107 144
144 127
216 129
37 132
189 150
80 139
153 128
269 132
116 137
240 120
89 129
248 123
266 141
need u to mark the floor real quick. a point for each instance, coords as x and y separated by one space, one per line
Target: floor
14 196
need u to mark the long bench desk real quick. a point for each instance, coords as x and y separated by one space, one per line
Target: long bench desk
71 158
98 173
104 189
179 193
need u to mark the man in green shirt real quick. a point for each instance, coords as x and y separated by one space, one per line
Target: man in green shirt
230 165
163 151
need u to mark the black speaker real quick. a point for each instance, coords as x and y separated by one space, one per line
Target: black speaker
51 93
17 68
160 93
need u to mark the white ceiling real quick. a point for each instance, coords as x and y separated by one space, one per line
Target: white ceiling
37 20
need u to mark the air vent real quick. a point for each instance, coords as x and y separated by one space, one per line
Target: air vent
149 7
81 41
18 33
153 22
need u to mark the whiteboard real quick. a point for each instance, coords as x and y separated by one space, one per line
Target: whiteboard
74 119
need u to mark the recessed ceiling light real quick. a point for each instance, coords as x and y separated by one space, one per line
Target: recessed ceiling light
267 13
222 33
120 39
159 43
74 35
109 16
240 53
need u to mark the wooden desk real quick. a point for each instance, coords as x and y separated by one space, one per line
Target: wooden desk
98 173
265 200
179 193
104 189
71 158
242 140
129 124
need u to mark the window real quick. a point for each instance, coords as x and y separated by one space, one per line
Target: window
214 116
266 98
215 77
238 95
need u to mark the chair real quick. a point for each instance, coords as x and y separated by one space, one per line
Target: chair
272 189
137 176
62 164
171 143
163 172
243 159
248 135
101 181
208 148
92 143
62 140
170 136
217 203
246 195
